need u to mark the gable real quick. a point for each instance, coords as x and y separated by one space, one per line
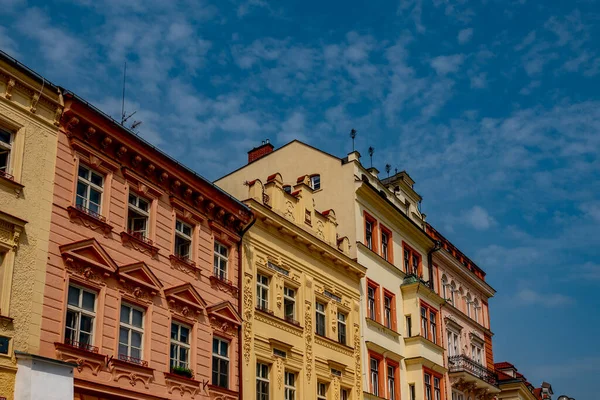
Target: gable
140 274
88 252
226 312
186 294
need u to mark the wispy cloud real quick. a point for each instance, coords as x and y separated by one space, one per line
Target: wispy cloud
465 35
544 299
444 65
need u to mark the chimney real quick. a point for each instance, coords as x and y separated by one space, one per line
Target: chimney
258 152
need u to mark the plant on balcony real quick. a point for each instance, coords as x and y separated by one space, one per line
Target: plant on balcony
183 371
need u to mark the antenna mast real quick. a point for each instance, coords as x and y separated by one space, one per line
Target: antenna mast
353 135
123 98
371 151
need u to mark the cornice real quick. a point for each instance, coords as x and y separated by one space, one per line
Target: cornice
452 263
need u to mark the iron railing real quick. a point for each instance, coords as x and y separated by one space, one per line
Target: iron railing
91 213
81 345
141 236
465 364
6 175
133 360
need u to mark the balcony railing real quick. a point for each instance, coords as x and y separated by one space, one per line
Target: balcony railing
6 175
133 360
465 364
82 346
91 213
141 236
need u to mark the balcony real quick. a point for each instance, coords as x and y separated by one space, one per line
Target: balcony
469 369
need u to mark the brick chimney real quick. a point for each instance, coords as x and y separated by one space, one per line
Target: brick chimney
260 151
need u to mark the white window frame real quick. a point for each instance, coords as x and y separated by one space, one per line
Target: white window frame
176 362
221 357
391 382
315 181
374 375
387 312
289 297
468 302
263 379
452 293
341 323
132 328
9 148
79 311
453 342
428 385
384 245
321 390
476 308
476 353
369 233
344 394
290 385
444 287
87 181
221 261
179 233
136 209
262 291
437 389
371 301
320 313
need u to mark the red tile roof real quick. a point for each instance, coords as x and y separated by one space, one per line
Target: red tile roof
503 365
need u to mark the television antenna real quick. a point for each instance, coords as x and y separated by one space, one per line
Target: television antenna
124 115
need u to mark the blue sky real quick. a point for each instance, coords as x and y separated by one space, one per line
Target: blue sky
492 106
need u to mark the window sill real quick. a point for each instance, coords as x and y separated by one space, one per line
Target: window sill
9 181
137 243
89 357
221 390
383 327
132 371
89 220
223 284
333 344
279 322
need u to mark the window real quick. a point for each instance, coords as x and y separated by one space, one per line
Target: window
341 325
408 326
412 261
476 308
262 381
369 234
180 345
391 382
428 387
386 244
469 304
320 319
412 391
138 216
289 304
220 363
344 394
90 186
5 149
428 322
81 312
476 353
131 332
315 182
453 343
221 257
457 396
389 310
437 393
321 391
290 385
262 292
183 240
452 293
374 368
444 287
373 300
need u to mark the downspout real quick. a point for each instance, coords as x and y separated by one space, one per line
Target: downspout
240 282
436 247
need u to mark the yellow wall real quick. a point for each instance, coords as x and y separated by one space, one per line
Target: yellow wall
25 210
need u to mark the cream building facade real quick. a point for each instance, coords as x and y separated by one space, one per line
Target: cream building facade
402 353
30 111
301 331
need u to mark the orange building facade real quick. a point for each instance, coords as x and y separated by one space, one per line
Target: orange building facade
142 280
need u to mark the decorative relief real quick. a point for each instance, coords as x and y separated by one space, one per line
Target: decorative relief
184 267
279 364
333 345
85 272
320 228
248 317
182 385
289 210
132 373
223 326
308 332
336 387
135 291
279 324
357 364
10 85
89 221
138 244
84 359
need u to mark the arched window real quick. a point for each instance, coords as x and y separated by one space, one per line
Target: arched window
315 182
452 293
444 287
476 308
469 304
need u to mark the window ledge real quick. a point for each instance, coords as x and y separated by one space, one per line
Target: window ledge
269 317
84 357
9 181
334 345
89 220
379 325
137 243
131 371
223 391
181 383
223 284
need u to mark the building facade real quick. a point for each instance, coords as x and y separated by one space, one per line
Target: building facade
465 323
301 330
402 354
142 278
514 385
30 108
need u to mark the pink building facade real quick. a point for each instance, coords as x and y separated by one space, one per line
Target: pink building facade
465 319
142 279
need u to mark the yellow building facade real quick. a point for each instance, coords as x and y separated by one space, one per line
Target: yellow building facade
30 110
301 334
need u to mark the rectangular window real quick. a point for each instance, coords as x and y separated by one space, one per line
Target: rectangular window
453 346
389 310
341 325
384 245
220 363
131 332
457 396
374 373
424 323
320 319
221 258
428 387
180 346
315 182
433 326
408 326
290 385
183 240
437 393
476 353
138 216
321 391
371 301
369 234
412 261
262 381
429 322
344 394
412 391
90 186
391 381
81 312
262 292
289 304
6 139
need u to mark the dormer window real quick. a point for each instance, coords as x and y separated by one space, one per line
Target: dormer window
287 189
315 182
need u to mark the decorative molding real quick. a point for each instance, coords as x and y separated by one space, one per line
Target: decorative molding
333 345
248 317
279 364
133 372
138 244
89 221
188 268
223 285
83 358
278 323
219 393
182 385
357 361
308 333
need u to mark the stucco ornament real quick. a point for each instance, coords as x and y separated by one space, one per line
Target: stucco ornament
357 364
9 88
248 316
280 372
308 332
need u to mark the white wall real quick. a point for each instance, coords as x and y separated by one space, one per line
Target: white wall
40 378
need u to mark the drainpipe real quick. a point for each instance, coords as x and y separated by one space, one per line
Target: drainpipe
240 282
436 247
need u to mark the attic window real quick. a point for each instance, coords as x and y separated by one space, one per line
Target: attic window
287 189
315 182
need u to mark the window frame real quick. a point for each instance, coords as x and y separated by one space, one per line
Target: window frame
376 301
377 388
342 324
477 350
325 386
429 328
131 328
136 209
262 296
87 181
323 314
388 253
264 380
453 345
220 358
9 147
372 244
409 262
393 323
179 344
315 178
79 310
184 236
432 380
289 299
395 379
289 389
219 258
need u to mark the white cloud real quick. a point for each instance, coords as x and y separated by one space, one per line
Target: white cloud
479 81
465 35
7 44
479 218
545 299
591 210
444 65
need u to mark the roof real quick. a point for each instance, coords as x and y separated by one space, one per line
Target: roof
25 69
503 365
